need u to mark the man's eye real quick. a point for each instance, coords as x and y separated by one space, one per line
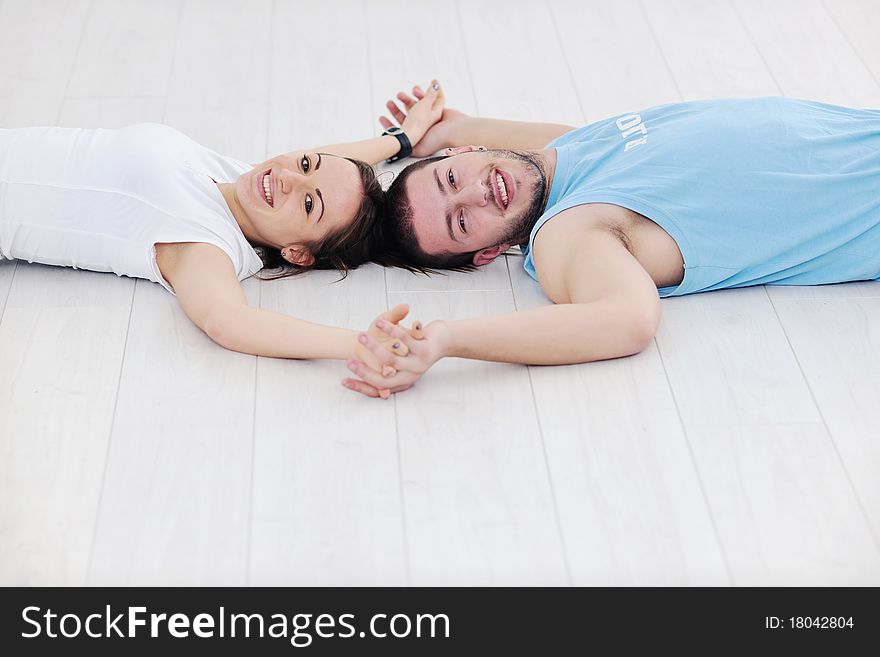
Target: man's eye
309 203
461 222
305 164
450 177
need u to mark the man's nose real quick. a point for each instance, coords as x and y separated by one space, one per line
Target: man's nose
476 194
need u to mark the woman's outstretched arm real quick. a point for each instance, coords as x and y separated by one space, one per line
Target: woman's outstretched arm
206 285
421 116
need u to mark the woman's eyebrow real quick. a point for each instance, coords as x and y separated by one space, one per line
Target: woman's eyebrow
322 201
318 166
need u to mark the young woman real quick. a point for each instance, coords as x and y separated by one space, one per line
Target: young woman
146 201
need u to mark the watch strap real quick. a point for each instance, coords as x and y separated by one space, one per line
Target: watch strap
405 145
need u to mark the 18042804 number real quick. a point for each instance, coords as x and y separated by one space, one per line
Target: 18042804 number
820 622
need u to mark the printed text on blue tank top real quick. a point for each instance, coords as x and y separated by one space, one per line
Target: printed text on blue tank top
630 125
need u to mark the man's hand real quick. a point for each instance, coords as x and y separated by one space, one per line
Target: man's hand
419 356
436 136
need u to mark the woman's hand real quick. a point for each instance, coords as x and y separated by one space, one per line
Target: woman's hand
362 352
432 136
413 357
424 113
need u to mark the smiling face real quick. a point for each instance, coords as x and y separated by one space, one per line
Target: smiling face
296 199
479 201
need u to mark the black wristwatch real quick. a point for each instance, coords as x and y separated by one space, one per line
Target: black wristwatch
405 145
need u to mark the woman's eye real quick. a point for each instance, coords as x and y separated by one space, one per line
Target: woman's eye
309 204
450 177
304 163
461 222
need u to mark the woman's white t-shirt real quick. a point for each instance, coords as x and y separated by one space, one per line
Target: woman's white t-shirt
102 199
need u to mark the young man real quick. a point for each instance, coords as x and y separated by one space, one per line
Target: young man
671 200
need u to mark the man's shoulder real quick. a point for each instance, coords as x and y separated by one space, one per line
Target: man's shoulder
562 237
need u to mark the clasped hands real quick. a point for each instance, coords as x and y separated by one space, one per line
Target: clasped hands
390 358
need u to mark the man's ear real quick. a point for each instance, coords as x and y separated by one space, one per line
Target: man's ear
463 149
297 254
486 256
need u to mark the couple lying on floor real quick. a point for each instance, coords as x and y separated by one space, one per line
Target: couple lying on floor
670 200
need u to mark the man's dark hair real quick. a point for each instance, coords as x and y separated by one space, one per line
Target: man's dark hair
398 245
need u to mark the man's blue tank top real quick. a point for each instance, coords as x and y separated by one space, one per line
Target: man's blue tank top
766 190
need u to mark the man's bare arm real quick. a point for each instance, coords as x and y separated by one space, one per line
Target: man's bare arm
500 133
607 306
456 128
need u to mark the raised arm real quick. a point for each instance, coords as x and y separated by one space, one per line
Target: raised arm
456 128
422 115
500 133
607 306
204 280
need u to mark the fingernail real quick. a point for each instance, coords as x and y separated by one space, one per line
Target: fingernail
436 86
352 367
387 370
396 345
362 339
380 323
418 326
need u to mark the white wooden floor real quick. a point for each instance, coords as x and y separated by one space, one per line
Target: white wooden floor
741 448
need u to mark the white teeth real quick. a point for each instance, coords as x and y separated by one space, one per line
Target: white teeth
267 189
502 188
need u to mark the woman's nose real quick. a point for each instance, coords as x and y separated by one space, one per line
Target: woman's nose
289 178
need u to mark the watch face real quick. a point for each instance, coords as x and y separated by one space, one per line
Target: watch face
393 130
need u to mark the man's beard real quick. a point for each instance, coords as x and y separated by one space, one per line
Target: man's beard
521 225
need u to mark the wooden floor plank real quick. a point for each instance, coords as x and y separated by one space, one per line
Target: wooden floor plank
615 62
630 502
858 20
311 75
326 491
218 93
761 446
126 50
477 497
834 291
7 271
61 348
40 40
409 58
106 112
807 53
175 506
709 52
837 345
512 81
